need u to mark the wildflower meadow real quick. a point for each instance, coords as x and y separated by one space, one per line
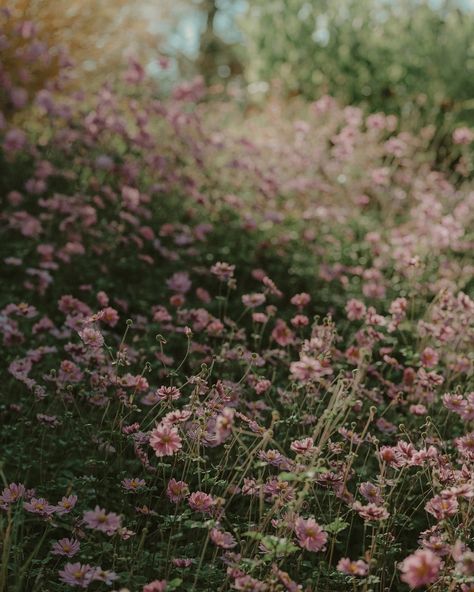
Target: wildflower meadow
236 343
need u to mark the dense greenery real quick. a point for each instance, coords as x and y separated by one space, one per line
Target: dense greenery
403 57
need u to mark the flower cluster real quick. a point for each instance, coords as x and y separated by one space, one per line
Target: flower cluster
231 363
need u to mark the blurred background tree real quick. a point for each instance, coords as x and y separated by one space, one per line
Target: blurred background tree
386 55
95 33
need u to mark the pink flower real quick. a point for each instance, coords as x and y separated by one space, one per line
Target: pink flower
304 446
437 545
262 386
224 424
253 300
398 308
155 586
223 271
273 457
203 295
381 176
310 535
353 568
282 334
248 584
441 507
182 562
201 502
467 413
371 511
355 310
259 317
421 568
282 491
39 506
15 140
165 440
98 519
301 300
391 455
102 298
91 337
418 409
105 575
222 539
133 484
66 505
289 584
168 393
308 369
463 135
12 493
371 493
69 372
109 316
465 445
429 357
77 574
179 282
177 490
67 547
300 320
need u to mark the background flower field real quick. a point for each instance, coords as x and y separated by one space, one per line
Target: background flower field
237 339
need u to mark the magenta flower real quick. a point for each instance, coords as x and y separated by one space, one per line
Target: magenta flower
421 568
66 547
99 519
310 535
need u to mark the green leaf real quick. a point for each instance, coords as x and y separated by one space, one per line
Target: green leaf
336 526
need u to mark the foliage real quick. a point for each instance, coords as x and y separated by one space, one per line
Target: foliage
96 37
398 57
